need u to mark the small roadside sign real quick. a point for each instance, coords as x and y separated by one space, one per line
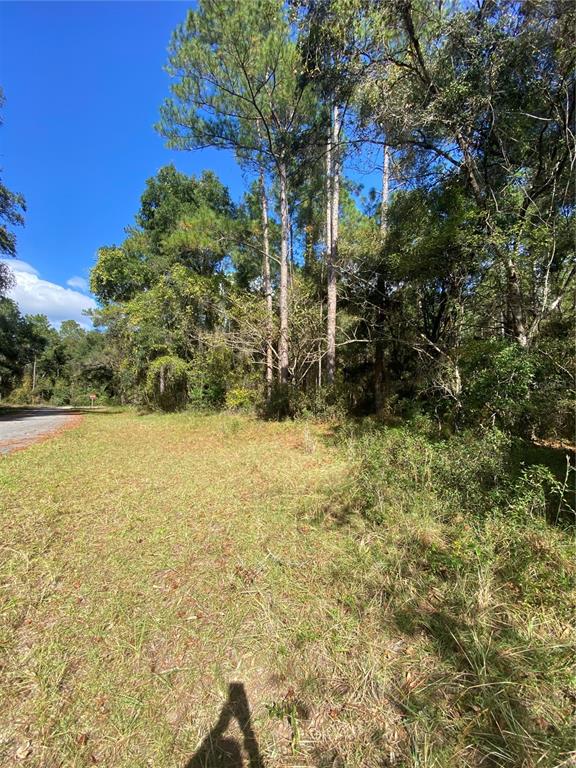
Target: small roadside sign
92 399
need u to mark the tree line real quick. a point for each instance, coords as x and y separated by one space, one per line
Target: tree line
448 288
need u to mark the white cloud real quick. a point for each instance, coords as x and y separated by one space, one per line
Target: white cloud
36 296
78 282
21 266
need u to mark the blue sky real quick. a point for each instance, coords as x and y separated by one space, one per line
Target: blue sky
83 82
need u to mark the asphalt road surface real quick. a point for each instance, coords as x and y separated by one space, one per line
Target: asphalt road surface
19 427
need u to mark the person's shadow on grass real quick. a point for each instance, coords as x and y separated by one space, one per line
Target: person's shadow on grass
219 751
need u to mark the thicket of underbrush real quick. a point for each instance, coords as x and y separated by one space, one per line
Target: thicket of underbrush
471 567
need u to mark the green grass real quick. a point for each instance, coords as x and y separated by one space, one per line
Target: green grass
148 562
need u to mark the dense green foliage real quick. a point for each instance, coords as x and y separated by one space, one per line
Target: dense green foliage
40 364
469 572
453 282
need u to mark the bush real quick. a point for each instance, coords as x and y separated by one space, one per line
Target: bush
61 394
241 399
471 473
21 395
456 555
498 379
286 401
510 387
166 383
280 404
329 403
555 366
208 375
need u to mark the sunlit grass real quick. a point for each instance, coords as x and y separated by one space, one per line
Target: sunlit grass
149 561
146 562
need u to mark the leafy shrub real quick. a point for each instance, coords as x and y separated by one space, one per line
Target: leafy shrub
539 494
498 380
208 374
21 395
555 383
240 399
512 388
469 473
329 403
166 383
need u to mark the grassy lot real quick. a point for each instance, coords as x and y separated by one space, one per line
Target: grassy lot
148 562
199 591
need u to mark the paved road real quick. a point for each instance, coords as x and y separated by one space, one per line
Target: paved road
19 427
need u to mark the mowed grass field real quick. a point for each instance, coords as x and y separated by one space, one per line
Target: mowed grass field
148 562
192 591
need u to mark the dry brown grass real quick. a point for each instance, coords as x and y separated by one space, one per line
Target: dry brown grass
149 562
146 563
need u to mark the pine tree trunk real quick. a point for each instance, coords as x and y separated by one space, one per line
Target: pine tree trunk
283 294
328 236
267 285
380 373
385 193
333 248
320 347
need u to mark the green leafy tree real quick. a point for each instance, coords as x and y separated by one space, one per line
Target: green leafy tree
485 91
12 208
237 87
